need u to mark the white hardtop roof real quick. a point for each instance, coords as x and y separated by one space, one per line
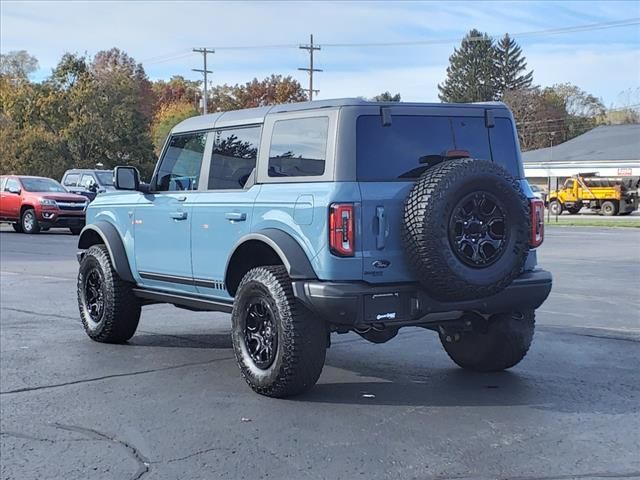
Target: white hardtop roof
257 115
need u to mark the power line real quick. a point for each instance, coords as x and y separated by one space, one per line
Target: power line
536 33
204 71
310 48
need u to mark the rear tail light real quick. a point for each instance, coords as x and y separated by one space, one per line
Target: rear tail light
341 229
537 222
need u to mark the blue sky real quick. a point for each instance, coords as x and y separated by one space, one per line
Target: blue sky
160 34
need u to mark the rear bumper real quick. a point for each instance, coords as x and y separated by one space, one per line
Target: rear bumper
360 303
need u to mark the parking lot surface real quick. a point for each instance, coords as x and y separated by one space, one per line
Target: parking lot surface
171 404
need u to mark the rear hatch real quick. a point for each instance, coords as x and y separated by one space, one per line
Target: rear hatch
389 162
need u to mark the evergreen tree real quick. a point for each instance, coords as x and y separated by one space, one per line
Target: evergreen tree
387 97
471 74
511 67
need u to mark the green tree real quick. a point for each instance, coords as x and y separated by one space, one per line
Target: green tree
510 67
471 74
387 97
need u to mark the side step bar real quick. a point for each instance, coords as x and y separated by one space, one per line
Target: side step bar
190 302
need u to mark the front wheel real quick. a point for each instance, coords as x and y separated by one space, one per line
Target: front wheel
502 344
109 310
555 207
609 209
279 346
29 222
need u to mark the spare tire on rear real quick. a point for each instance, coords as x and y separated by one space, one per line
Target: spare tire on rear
466 229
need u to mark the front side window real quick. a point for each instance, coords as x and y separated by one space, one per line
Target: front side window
299 147
41 185
11 184
71 180
234 158
180 165
87 181
105 178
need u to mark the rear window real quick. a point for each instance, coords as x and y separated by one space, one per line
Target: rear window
394 152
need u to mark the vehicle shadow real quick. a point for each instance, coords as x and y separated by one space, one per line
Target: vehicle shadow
152 339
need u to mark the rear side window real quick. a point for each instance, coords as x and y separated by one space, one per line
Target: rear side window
71 180
395 152
299 147
180 165
234 158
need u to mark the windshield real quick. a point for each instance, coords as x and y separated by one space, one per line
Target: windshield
42 185
402 150
105 178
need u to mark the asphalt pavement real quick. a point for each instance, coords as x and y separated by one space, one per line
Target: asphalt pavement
171 404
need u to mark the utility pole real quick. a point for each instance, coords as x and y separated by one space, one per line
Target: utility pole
311 48
204 52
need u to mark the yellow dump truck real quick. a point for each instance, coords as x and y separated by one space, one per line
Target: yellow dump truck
610 195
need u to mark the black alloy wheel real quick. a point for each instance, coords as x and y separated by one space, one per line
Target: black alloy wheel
94 295
477 231
260 332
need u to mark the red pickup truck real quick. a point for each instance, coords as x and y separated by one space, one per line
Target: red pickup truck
32 204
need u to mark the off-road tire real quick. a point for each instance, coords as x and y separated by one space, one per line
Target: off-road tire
503 345
75 230
121 312
17 227
301 338
27 226
609 209
555 207
427 214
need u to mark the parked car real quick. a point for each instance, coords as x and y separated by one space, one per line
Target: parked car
539 193
326 216
88 182
32 204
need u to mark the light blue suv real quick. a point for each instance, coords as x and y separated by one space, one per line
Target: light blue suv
328 216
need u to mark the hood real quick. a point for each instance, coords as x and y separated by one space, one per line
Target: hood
61 197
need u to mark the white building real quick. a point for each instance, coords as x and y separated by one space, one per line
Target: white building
608 150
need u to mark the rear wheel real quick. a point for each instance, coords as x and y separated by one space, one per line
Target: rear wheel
29 221
503 343
609 209
17 227
555 207
279 346
108 309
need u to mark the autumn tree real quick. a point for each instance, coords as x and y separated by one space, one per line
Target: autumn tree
273 90
471 74
167 117
177 90
510 67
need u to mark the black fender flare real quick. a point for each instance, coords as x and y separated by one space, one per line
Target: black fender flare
288 249
112 240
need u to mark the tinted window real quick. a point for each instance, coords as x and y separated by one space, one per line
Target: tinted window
298 147
71 180
395 151
504 146
180 166
105 178
41 185
234 157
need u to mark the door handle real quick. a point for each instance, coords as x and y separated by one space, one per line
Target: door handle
381 232
236 216
178 215
181 198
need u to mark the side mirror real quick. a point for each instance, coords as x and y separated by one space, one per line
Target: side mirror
126 178
14 190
